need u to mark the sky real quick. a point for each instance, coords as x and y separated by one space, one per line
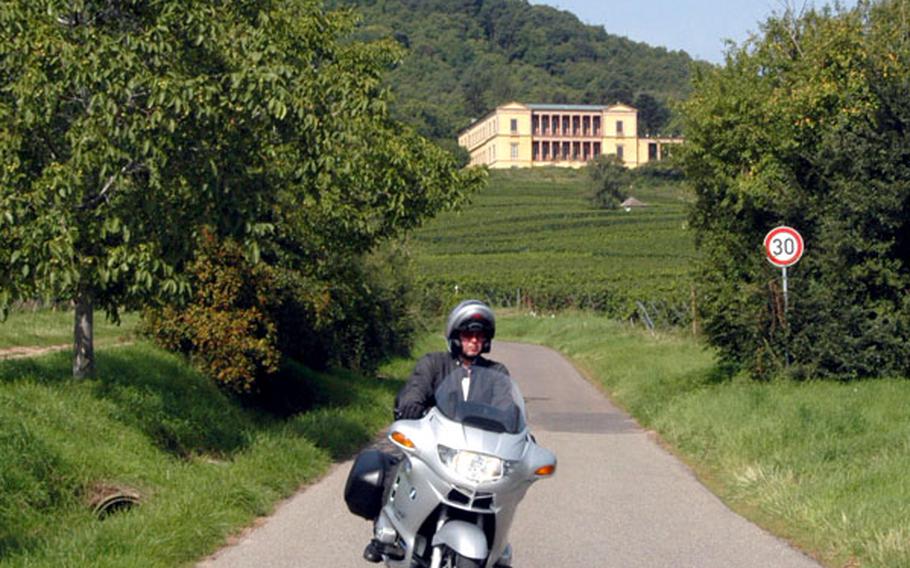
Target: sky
699 27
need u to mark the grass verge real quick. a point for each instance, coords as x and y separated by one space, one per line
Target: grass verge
47 328
822 464
204 465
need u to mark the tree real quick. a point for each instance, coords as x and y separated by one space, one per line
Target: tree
652 115
609 179
127 126
807 125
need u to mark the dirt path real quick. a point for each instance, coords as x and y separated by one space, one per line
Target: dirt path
30 351
23 351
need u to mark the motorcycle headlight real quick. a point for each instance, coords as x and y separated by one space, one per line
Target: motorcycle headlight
475 467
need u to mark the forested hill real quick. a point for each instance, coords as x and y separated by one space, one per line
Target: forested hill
465 57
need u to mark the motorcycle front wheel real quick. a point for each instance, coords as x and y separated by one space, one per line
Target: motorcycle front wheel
451 559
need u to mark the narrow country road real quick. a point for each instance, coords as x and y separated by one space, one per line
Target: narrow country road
617 500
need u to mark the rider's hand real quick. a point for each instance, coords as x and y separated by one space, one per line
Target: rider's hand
410 411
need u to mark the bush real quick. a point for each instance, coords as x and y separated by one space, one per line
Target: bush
814 135
659 170
353 315
227 329
244 317
368 316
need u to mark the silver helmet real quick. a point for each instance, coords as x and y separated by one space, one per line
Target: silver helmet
470 315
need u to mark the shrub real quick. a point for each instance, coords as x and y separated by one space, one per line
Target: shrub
227 328
354 314
366 315
659 170
807 126
244 317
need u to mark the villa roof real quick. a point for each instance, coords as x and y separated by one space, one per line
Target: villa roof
544 106
588 108
548 107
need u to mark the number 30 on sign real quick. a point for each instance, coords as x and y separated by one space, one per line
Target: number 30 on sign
783 246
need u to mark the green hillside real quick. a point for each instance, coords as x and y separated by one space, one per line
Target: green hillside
466 57
201 464
533 236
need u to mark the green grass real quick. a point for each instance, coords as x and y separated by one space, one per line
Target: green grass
534 235
204 464
46 328
823 464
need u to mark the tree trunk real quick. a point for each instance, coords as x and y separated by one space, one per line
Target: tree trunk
83 342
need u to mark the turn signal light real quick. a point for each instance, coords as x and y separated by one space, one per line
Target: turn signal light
401 439
546 470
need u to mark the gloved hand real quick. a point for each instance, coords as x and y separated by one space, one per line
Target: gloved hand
410 411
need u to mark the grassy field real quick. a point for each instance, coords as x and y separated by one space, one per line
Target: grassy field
46 328
204 465
823 464
533 235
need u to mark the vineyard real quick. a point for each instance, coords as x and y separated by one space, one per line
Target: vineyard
532 237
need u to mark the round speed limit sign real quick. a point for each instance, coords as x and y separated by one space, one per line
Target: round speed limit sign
783 246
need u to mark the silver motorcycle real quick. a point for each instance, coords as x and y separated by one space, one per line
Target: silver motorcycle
450 500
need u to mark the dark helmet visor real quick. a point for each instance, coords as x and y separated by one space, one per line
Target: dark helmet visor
475 325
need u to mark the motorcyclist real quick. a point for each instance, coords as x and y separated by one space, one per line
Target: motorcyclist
469 333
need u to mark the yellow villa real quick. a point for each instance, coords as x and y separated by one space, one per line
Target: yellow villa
517 135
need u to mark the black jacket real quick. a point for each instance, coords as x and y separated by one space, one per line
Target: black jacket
429 372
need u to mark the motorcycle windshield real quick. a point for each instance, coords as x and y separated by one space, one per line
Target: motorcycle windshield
483 398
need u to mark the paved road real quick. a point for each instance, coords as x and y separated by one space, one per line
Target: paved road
617 500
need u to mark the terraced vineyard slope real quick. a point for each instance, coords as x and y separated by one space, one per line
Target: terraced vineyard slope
533 236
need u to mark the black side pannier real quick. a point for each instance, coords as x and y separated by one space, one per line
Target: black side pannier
366 483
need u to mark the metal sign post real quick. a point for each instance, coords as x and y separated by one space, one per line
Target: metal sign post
786 302
784 247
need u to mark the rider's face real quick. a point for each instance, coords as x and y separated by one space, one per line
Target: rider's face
471 342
